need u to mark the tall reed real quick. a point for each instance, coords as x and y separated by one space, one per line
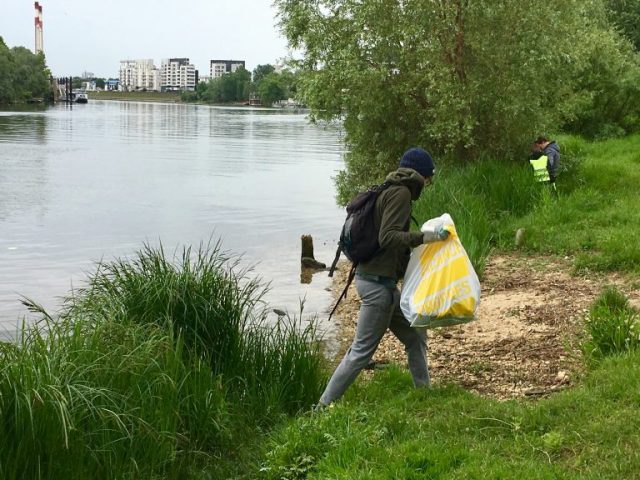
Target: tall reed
104 400
216 308
157 368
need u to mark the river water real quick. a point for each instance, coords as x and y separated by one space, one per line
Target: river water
96 181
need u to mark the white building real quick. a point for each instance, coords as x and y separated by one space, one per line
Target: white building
217 68
280 66
89 86
139 75
177 74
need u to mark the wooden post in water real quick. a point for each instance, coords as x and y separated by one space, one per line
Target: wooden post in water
307 259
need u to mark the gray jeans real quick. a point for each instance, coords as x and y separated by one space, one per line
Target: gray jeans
380 309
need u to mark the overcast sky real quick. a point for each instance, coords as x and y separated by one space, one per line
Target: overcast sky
93 36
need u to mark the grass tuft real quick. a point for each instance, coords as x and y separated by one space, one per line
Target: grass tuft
613 327
159 368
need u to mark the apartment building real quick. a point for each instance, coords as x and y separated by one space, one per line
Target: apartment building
138 75
177 74
217 68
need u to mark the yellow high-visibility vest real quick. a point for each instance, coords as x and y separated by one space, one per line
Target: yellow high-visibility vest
540 172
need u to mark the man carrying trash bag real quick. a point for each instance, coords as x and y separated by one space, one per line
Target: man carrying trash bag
377 278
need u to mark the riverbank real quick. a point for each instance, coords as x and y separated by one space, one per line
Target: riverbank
525 341
160 97
165 97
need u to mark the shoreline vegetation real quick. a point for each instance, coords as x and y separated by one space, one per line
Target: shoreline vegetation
157 368
164 368
146 373
169 97
166 97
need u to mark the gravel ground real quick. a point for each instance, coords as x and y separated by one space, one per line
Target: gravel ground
525 339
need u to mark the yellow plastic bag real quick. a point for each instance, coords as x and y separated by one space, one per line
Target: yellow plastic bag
440 287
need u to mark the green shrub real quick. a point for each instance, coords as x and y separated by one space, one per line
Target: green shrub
105 400
217 309
155 370
612 325
605 104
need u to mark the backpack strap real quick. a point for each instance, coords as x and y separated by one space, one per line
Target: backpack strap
335 261
352 274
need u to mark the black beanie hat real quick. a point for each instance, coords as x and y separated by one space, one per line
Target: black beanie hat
419 160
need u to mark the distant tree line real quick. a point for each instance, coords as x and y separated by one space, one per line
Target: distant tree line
23 75
264 84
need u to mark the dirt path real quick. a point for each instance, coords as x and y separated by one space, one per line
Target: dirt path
525 339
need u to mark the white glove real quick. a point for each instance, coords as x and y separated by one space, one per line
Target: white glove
437 236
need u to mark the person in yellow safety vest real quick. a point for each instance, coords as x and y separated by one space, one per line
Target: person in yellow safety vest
545 160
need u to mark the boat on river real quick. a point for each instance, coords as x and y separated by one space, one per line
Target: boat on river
79 96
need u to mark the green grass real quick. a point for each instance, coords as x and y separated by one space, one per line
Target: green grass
595 218
388 430
597 221
217 309
613 326
136 96
106 400
160 368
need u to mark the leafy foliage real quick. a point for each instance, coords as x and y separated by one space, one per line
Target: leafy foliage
595 214
625 14
23 75
606 102
238 86
270 89
465 79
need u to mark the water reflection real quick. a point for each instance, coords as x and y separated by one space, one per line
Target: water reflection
29 127
97 180
23 173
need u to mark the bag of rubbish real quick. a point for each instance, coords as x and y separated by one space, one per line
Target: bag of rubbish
440 286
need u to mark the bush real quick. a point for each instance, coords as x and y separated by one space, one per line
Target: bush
605 103
217 310
153 370
612 325
104 400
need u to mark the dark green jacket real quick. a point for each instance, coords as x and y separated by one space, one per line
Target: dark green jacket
393 217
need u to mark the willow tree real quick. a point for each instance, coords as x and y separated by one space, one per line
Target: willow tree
462 78
625 14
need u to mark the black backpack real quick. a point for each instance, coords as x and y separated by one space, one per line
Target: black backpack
359 235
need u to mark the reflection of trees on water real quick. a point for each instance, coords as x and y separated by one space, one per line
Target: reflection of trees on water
151 122
23 170
23 128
